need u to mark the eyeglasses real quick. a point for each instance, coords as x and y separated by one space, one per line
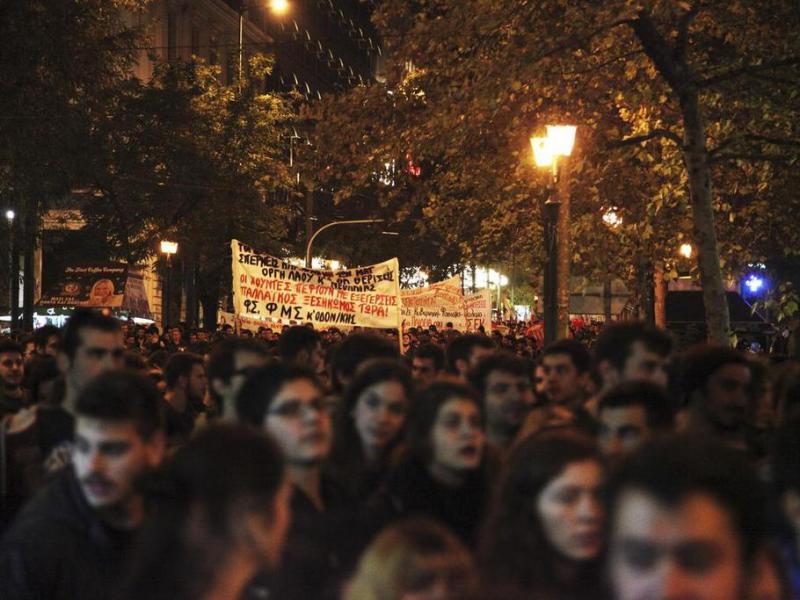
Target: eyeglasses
294 409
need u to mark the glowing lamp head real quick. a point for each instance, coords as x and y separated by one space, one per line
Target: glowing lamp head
10 214
542 151
754 284
169 247
686 250
279 7
562 138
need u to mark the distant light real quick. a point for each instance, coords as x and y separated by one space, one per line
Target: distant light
612 218
169 247
686 250
10 214
754 283
279 7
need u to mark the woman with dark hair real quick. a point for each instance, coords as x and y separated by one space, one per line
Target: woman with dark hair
370 425
544 535
443 476
217 512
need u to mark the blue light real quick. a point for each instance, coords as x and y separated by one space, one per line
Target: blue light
754 284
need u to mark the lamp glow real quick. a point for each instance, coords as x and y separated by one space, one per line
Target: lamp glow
169 247
10 214
686 250
562 138
279 7
543 153
754 284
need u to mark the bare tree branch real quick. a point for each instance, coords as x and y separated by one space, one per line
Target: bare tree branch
774 158
654 134
751 137
745 70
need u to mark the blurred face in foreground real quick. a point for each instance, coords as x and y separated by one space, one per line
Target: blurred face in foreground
690 550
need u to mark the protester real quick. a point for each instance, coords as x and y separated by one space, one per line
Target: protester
370 425
630 413
229 363
686 521
566 367
185 375
72 540
503 380
352 352
416 559
443 476
427 363
12 374
286 401
464 352
632 351
303 346
218 512
544 535
46 340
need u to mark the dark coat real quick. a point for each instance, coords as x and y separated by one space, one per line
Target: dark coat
57 548
410 490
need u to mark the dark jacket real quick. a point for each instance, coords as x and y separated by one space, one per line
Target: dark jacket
57 548
411 491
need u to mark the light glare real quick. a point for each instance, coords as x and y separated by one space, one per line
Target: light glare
562 138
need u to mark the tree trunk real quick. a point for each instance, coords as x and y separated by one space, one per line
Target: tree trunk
660 296
29 277
210 301
607 298
644 282
564 249
705 236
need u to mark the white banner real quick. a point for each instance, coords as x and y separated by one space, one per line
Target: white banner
438 304
268 287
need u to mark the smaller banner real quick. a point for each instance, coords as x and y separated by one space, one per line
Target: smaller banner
478 311
269 287
437 304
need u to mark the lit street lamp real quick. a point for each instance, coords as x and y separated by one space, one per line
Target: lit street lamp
278 8
13 278
547 150
686 250
333 224
168 249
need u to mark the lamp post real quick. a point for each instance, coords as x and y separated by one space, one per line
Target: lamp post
547 150
13 277
334 224
277 7
168 249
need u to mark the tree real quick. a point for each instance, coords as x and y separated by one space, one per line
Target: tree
684 88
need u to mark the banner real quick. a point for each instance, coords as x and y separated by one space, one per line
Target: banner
268 287
437 304
95 286
478 311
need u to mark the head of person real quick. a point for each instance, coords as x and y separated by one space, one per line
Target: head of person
46 340
91 344
303 345
372 418
12 365
566 365
42 380
416 559
630 413
185 372
287 402
218 511
353 351
685 520
504 382
464 352
717 382
119 435
632 351
427 362
446 431
175 335
548 506
229 363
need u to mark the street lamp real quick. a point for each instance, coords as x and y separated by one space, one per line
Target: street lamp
333 224
686 250
13 291
277 7
547 150
168 249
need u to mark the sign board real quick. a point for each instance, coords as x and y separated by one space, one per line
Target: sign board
265 287
437 304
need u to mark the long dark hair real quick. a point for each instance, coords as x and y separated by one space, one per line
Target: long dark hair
347 452
193 504
514 550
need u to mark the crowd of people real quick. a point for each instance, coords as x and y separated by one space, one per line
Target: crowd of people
293 463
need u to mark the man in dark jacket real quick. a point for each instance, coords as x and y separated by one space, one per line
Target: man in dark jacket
72 539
